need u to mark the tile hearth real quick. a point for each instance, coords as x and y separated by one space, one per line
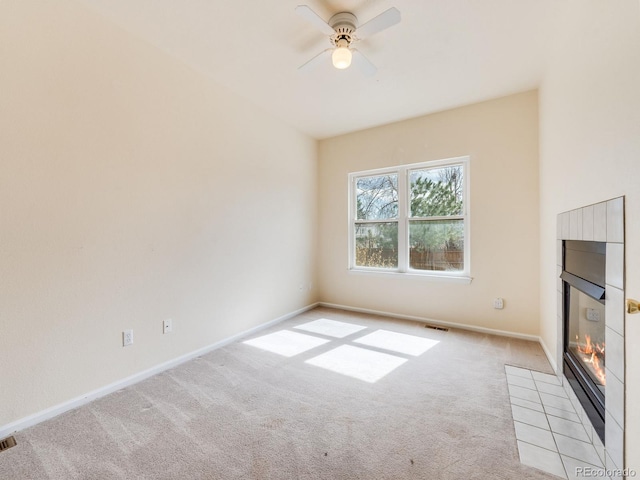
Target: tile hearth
549 432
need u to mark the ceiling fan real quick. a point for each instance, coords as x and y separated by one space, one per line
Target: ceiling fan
343 32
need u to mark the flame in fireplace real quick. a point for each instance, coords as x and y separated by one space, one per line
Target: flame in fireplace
592 354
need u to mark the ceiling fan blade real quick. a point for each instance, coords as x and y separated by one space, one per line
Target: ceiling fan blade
314 19
315 61
363 63
383 21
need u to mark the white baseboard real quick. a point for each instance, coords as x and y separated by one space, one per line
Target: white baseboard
502 333
550 357
56 410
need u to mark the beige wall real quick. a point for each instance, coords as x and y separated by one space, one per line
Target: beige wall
133 190
590 151
501 137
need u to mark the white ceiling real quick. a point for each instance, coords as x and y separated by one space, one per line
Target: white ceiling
443 54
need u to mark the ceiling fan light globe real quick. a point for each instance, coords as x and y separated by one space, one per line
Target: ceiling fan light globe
341 58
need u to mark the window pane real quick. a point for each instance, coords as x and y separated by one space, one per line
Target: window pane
436 192
377 197
436 245
377 245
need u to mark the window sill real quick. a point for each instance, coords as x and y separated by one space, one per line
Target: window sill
462 279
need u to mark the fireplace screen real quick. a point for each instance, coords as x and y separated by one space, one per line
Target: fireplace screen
585 335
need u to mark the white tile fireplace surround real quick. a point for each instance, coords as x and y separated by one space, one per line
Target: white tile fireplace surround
602 222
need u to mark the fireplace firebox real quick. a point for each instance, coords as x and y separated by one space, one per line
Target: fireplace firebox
583 278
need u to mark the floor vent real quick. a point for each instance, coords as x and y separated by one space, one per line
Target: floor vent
433 327
7 443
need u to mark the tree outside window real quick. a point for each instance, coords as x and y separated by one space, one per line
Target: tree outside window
377 221
436 233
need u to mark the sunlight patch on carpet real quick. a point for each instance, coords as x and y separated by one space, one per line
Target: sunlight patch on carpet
331 328
397 342
286 343
358 363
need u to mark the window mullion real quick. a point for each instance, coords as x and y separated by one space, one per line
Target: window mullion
365 222
403 224
435 219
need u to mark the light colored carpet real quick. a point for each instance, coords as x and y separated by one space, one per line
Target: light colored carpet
244 413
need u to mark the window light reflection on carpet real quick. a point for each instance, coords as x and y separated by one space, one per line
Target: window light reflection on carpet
397 342
331 328
286 343
358 362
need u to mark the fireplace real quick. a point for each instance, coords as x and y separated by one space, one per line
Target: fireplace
590 241
583 276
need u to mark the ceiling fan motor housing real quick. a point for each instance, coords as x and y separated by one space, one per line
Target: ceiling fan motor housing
344 24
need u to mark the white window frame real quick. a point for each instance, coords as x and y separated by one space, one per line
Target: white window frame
403 172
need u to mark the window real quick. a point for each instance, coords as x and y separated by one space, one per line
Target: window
411 219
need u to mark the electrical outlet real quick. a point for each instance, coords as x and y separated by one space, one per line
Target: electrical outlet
127 338
498 303
593 315
167 326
